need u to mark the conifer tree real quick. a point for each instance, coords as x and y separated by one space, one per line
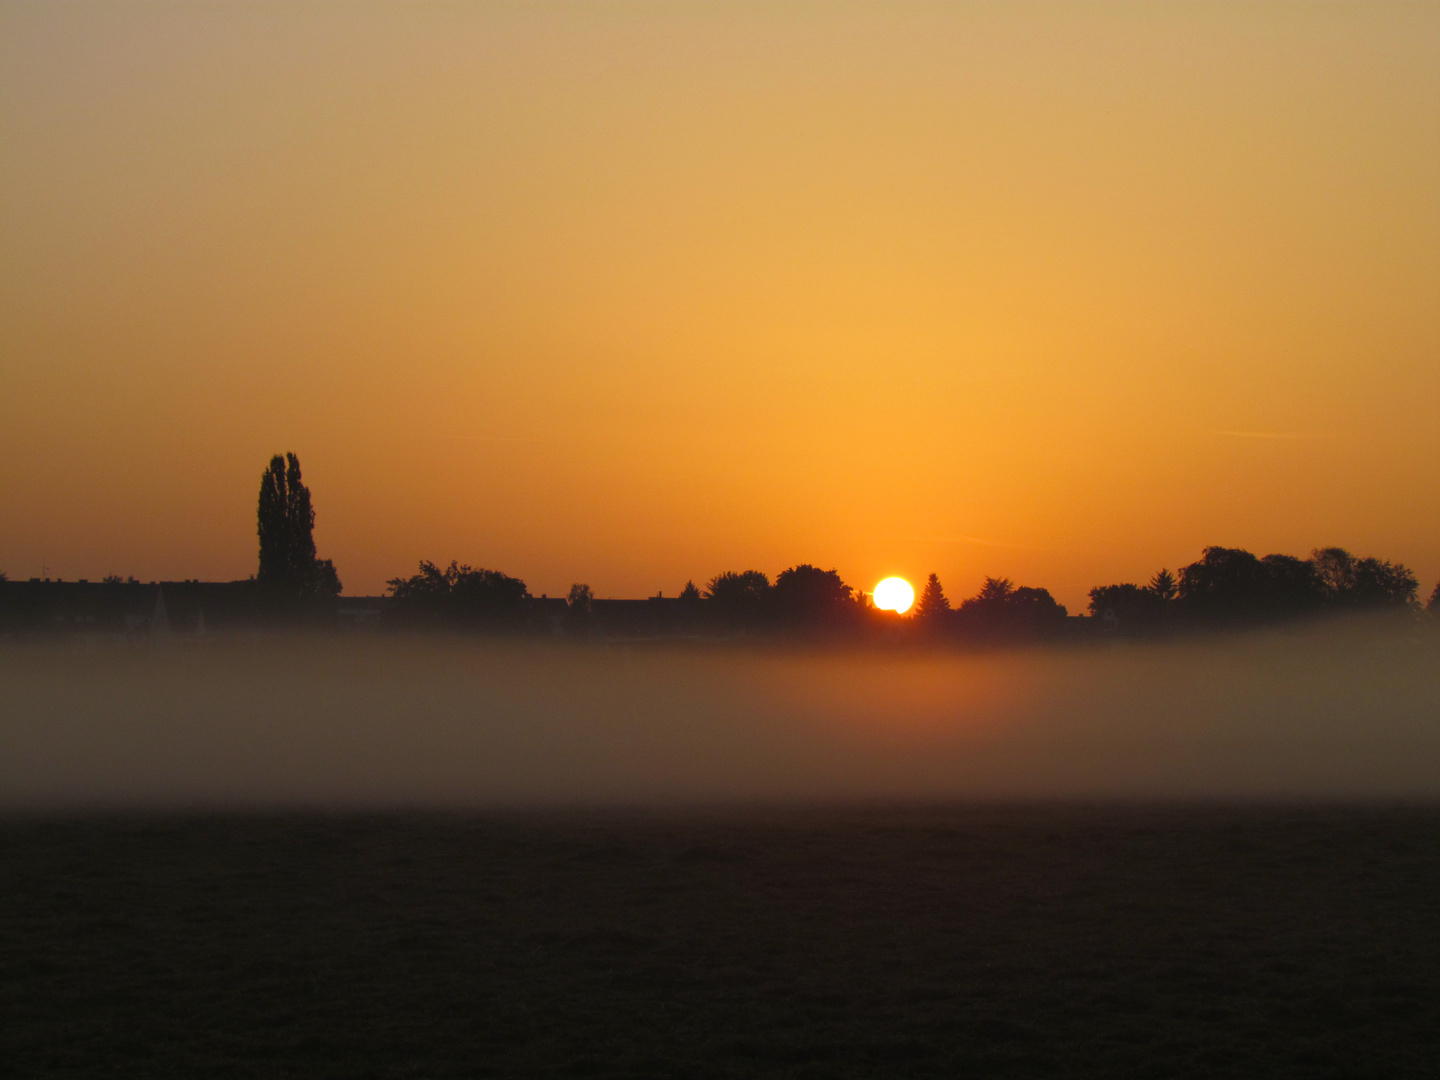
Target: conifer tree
1164 585
932 603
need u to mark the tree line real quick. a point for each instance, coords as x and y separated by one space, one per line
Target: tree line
1225 586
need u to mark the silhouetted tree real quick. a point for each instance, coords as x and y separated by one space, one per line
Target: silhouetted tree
578 608
1036 609
933 606
738 600
1001 609
1230 584
985 611
994 590
748 587
1164 586
1434 605
1136 609
286 526
805 595
458 596
1335 569
1290 587
690 593
1364 583
1225 583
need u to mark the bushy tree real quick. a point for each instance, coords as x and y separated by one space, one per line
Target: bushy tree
1433 607
1036 608
1001 608
739 589
807 595
1135 607
1381 583
1335 569
578 608
689 593
1363 583
1233 585
809 586
1223 582
286 527
1291 587
458 595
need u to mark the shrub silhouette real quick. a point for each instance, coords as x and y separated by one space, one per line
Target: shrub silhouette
1133 605
459 595
1003 609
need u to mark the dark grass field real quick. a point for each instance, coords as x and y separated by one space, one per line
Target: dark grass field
947 942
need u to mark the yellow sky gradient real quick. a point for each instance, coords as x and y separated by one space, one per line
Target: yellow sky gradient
630 293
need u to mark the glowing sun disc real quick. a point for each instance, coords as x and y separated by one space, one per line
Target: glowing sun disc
894 594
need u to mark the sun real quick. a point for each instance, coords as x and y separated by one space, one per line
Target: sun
894 594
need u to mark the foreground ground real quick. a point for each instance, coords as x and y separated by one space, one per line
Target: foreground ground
945 942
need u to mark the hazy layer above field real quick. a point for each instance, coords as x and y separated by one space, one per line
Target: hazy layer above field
345 721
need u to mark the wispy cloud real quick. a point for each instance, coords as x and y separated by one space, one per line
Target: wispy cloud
961 538
496 438
1281 435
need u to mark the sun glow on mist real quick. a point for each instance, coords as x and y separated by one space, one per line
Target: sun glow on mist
894 594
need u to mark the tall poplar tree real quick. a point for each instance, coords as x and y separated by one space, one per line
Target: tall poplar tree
286 525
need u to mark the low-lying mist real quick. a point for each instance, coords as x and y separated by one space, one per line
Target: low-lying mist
1337 711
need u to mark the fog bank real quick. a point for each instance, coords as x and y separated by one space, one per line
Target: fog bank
1332 712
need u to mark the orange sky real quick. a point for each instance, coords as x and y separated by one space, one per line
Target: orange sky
633 293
